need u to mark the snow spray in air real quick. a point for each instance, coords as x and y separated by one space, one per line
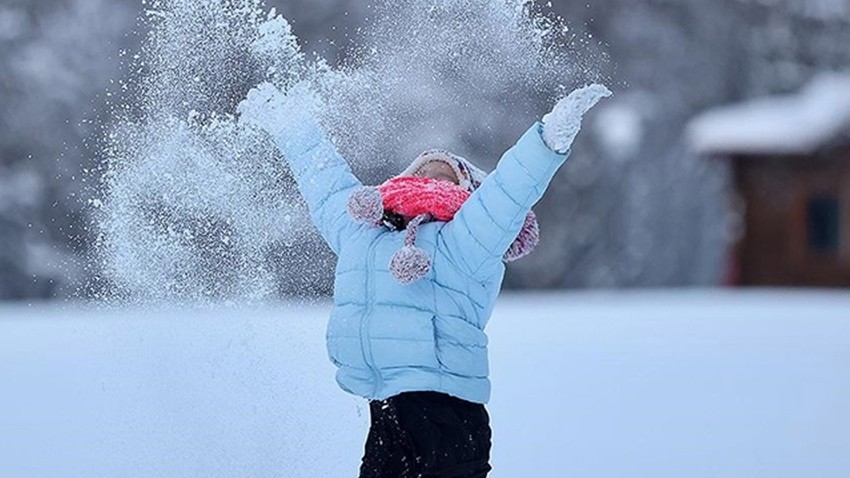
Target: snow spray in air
195 207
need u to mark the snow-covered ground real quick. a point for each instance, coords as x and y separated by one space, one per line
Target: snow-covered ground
648 384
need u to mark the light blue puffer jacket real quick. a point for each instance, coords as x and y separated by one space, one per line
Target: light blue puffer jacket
386 337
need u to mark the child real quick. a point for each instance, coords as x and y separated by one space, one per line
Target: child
420 264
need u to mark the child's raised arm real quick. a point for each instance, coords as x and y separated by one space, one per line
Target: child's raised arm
489 221
324 178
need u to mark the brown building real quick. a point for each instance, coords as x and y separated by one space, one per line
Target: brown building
790 157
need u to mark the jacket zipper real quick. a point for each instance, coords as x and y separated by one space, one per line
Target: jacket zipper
365 343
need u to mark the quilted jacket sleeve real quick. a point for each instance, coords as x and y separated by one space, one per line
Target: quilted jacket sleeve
324 179
489 221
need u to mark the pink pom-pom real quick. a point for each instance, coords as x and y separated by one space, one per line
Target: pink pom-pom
410 264
366 205
526 240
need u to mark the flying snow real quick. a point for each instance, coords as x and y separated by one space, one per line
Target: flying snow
195 206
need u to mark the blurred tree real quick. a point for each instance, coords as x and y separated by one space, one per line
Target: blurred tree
58 58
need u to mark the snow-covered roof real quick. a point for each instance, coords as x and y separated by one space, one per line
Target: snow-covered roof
788 124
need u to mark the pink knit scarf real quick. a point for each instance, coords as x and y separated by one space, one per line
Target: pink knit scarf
411 196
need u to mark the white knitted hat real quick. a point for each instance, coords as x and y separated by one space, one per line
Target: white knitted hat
469 176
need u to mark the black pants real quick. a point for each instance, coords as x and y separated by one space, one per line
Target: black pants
427 435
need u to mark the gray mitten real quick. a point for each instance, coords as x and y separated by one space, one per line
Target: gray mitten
561 126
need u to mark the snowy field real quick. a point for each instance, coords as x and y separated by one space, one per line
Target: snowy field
650 384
